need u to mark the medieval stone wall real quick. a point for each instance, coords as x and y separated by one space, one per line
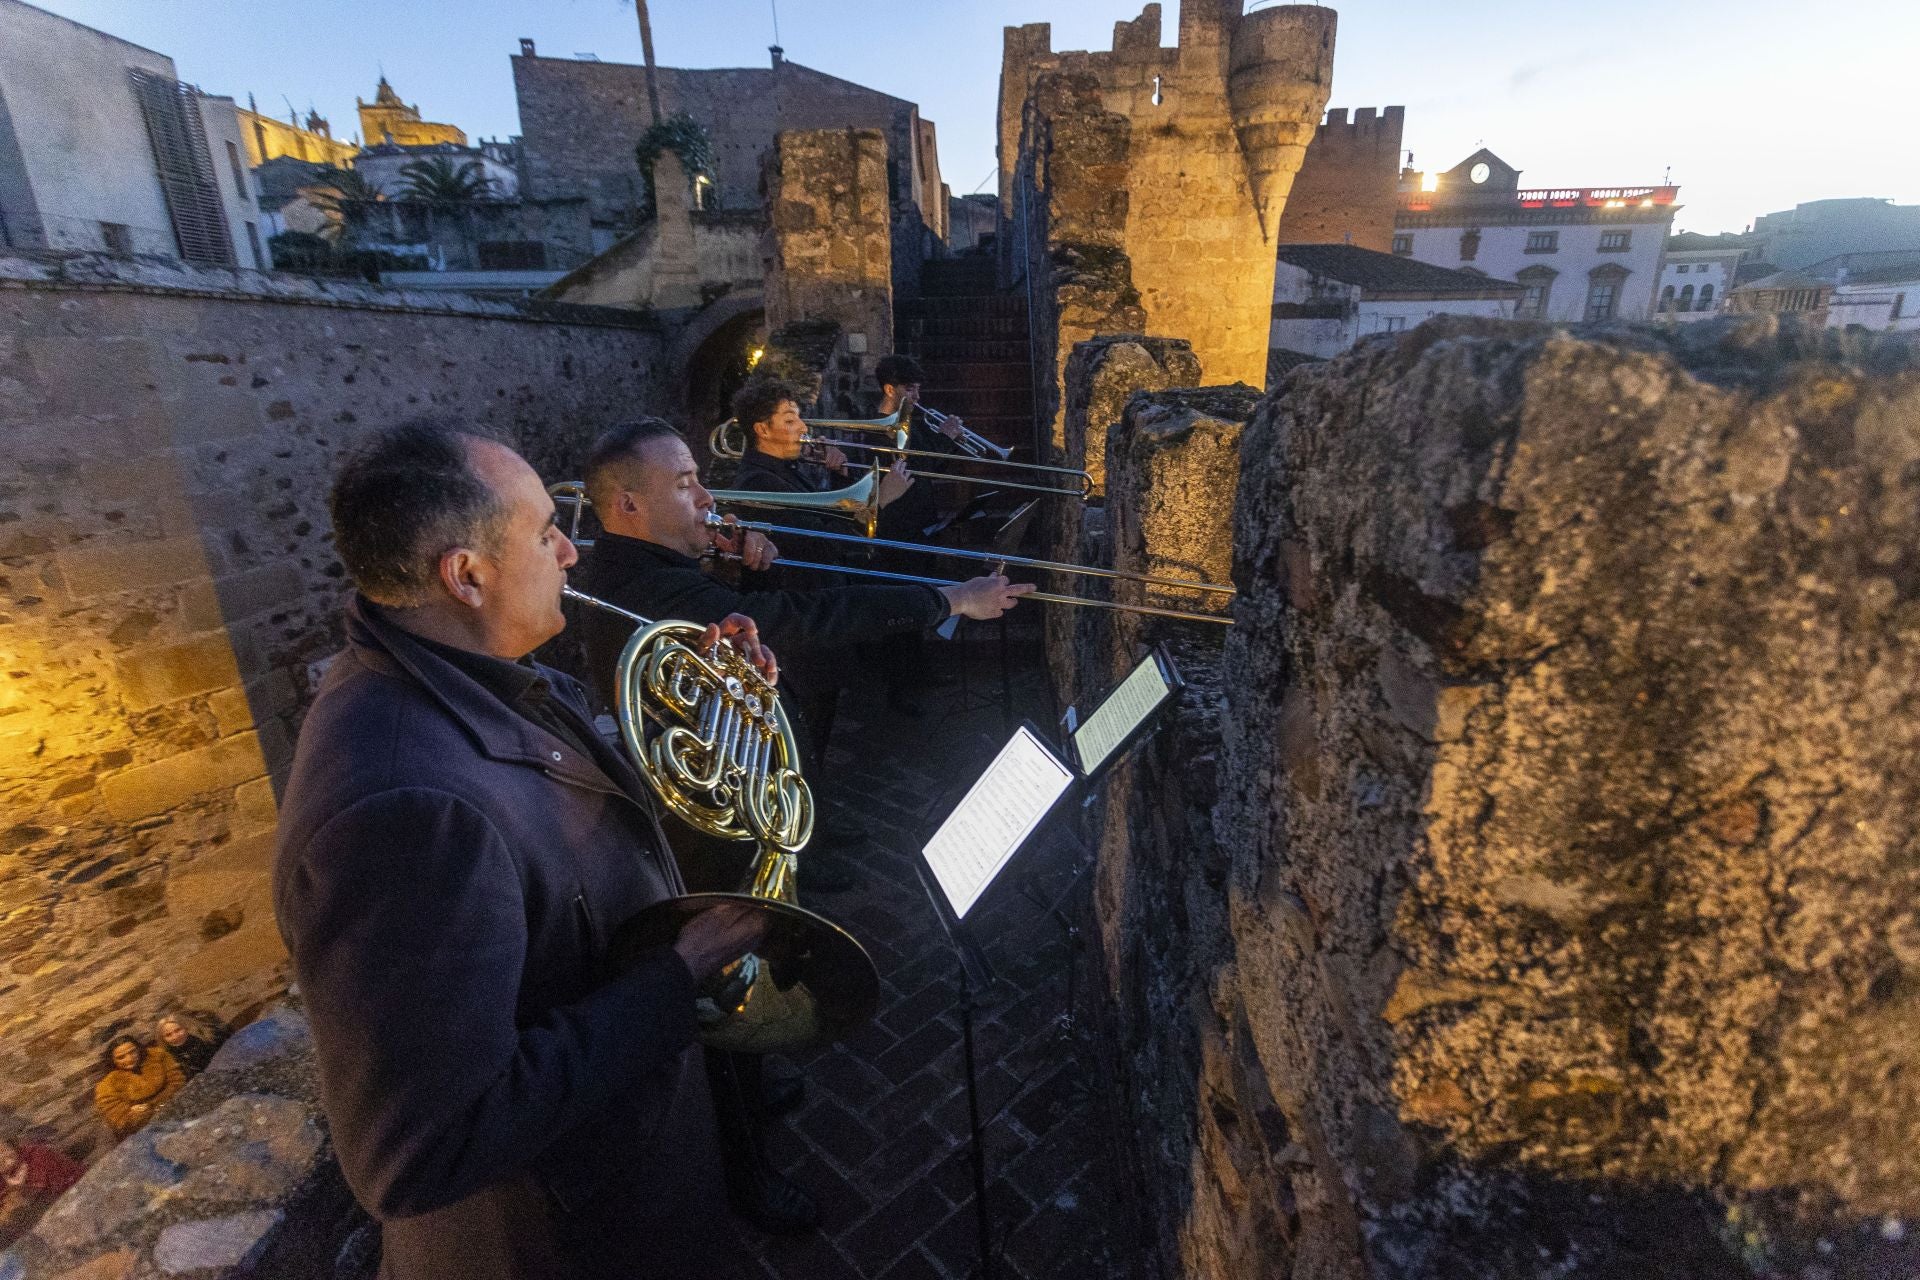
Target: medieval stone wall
1347 190
582 120
830 245
170 594
1101 374
1070 223
1534 897
1219 125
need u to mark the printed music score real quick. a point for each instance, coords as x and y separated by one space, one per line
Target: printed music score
1136 698
995 818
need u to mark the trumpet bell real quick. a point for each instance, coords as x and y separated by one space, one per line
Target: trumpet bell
808 980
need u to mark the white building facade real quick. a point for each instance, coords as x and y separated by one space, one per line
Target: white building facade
103 150
1885 300
1326 297
1582 254
1695 281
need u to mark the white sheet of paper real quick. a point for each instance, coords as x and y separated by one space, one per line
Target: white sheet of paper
1136 697
995 818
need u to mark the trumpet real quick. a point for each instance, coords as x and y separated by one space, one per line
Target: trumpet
718 523
727 442
972 441
724 761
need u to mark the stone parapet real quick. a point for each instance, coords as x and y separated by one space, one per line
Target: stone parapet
1569 899
1172 464
1101 374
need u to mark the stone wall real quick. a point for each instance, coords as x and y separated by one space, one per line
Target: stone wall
679 261
1220 124
1547 906
582 120
1347 190
1070 220
170 595
1162 929
830 255
1101 374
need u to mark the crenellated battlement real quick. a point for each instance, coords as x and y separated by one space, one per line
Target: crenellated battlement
1220 123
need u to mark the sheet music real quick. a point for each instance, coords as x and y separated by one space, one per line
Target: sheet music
1136 698
995 818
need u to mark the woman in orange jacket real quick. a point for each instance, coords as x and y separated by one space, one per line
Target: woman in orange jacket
138 1080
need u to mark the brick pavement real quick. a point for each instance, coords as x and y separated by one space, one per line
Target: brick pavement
882 1139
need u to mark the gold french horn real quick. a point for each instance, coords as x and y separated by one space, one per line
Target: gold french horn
708 733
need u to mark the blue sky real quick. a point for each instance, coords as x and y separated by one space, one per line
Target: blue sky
1754 105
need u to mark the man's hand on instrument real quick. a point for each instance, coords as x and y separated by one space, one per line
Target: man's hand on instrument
834 459
743 634
951 427
718 936
985 598
894 481
754 548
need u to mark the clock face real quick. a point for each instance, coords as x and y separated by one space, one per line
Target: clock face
1480 172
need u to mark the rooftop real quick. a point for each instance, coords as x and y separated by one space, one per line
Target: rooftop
1379 273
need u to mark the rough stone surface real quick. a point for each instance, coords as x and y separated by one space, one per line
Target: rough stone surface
1555 915
1101 374
214 1243
170 590
830 256
1218 126
1069 224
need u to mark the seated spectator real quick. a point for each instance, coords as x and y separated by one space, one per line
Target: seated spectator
32 1176
186 1043
138 1080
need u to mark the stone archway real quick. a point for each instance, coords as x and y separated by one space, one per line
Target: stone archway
712 362
718 320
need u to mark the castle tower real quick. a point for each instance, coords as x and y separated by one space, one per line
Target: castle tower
1218 126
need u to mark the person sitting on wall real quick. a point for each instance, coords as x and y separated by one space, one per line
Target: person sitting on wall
138 1080
193 1052
32 1176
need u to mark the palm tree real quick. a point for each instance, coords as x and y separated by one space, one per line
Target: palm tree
435 180
338 194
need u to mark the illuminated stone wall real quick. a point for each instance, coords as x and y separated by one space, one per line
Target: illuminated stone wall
170 591
831 251
1219 125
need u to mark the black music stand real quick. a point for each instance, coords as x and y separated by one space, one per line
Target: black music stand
1006 806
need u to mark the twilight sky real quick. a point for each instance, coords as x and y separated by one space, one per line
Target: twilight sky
1755 105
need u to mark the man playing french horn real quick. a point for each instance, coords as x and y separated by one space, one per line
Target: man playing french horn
458 849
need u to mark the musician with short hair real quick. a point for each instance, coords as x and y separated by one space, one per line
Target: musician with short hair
457 850
653 511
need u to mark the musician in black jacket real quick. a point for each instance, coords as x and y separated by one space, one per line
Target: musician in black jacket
640 478
457 848
644 488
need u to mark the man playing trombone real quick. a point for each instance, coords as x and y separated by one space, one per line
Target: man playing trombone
654 512
654 520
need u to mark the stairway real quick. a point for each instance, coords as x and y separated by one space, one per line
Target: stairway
972 340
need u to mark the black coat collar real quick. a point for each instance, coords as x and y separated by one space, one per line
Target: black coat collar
500 732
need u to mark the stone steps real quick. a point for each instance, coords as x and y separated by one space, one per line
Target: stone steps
972 340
